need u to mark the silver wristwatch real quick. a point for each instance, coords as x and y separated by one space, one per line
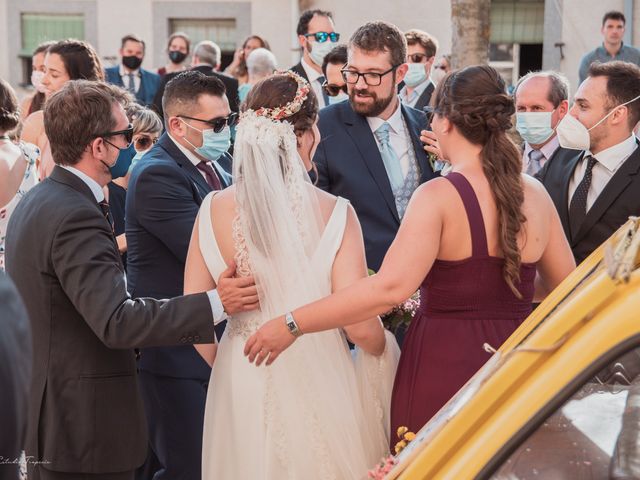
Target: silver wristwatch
292 325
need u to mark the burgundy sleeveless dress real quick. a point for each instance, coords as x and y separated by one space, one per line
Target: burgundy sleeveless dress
464 304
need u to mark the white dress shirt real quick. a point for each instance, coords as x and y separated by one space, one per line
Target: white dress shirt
547 150
313 76
608 163
415 95
125 78
398 136
217 309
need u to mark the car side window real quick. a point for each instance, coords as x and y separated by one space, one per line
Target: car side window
595 434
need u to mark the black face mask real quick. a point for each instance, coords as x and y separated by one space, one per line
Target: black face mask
176 56
132 62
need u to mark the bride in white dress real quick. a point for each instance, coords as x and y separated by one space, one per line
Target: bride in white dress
319 412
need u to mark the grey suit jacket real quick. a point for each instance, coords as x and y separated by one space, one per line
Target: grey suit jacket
85 411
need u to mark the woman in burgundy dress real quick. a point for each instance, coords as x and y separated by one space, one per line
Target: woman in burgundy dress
472 241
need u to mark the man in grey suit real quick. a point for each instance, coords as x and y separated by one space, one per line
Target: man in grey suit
86 418
15 375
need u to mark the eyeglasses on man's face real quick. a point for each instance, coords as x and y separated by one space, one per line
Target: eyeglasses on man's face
322 37
127 133
373 79
219 123
333 90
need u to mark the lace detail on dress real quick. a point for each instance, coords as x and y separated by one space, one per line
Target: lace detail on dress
243 265
242 327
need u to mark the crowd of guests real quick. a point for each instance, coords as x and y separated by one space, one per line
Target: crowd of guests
392 114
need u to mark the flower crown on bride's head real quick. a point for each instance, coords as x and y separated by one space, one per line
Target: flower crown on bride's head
291 108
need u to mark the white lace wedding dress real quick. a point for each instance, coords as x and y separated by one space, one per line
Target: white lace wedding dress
318 412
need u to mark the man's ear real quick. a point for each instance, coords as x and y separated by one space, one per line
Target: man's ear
401 71
176 127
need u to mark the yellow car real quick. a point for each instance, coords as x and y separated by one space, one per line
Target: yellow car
561 398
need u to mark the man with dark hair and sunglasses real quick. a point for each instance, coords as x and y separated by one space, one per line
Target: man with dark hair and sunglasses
317 37
86 416
417 87
334 86
166 189
370 150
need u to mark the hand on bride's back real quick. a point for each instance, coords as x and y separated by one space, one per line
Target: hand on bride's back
237 294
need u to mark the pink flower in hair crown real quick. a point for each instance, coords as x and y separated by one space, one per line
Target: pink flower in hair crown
294 106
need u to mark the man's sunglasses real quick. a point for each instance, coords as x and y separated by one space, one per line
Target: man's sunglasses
322 37
127 133
333 90
417 57
144 142
219 123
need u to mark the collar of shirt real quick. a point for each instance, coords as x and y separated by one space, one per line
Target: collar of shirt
415 95
613 157
136 73
606 53
192 158
312 74
394 121
94 186
547 150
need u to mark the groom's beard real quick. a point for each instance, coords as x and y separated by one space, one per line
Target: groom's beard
372 108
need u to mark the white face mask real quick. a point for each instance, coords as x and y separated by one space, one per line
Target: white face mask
437 75
534 127
320 50
341 97
36 80
574 135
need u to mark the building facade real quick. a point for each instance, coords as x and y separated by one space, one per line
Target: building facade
525 34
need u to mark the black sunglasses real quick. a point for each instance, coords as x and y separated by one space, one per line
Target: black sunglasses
219 123
144 143
322 37
128 136
333 90
417 57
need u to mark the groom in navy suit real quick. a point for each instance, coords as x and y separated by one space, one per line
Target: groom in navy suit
166 189
370 151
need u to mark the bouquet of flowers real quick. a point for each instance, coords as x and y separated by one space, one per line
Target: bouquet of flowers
399 317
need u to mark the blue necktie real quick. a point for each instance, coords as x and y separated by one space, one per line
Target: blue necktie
389 158
132 84
535 156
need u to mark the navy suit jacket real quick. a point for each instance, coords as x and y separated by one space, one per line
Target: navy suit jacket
149 83
164 196
619 199
349 165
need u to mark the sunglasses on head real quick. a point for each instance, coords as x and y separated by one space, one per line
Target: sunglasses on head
417 57
127 133
322 37
144 142
333 90
217 124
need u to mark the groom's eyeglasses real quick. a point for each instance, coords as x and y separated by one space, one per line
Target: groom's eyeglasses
218 123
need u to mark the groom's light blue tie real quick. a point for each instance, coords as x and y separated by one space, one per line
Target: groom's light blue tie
389 157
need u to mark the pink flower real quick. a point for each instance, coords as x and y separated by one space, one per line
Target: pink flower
382 469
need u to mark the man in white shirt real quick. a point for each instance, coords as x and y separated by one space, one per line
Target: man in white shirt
317 37
542 100
85 412
597 190
417 87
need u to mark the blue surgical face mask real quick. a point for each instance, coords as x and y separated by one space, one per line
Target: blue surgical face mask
341 97
534 127
125 157
213 144
320 50
416 74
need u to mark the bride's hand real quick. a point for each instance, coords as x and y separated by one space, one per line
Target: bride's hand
268 342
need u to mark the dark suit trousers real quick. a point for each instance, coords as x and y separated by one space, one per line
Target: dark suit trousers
39 472
177 438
